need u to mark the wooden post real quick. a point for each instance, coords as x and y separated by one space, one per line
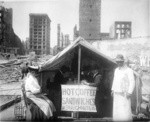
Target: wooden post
79 64
76 114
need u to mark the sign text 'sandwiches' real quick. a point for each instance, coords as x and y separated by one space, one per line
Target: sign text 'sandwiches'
78 98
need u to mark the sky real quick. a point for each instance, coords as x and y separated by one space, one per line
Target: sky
66 13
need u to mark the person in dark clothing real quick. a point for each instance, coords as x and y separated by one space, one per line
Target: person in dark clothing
97 82
58 80
86 74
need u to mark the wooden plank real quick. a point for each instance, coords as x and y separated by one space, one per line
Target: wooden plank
79 63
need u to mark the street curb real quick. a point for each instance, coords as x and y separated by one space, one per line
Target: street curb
9 104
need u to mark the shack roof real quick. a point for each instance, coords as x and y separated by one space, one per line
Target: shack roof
86 49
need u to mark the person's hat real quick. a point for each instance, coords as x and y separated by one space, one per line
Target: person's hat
119 58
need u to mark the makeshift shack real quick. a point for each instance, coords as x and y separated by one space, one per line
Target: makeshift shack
77 57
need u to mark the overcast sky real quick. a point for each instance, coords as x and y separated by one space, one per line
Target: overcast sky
66 12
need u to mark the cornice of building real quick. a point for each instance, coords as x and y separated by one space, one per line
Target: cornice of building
40 15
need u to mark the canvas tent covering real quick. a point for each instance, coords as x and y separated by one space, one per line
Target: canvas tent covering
87 50
76 56
69 57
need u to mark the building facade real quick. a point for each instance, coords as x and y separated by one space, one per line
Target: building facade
1 25
90 19
39 33
5 24
121 30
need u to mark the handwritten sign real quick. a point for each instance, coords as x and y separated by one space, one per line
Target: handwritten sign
78 98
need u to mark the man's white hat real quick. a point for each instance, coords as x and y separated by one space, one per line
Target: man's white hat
33 67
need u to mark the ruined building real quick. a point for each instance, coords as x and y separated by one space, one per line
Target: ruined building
39 34
90 19
121 30
62 39
9 41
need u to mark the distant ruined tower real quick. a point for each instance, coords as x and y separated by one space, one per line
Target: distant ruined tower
75 33
89 19
58 35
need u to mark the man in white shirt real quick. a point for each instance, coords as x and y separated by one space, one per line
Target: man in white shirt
122 88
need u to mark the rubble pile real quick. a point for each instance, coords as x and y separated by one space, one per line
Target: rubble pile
11 71
9 74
